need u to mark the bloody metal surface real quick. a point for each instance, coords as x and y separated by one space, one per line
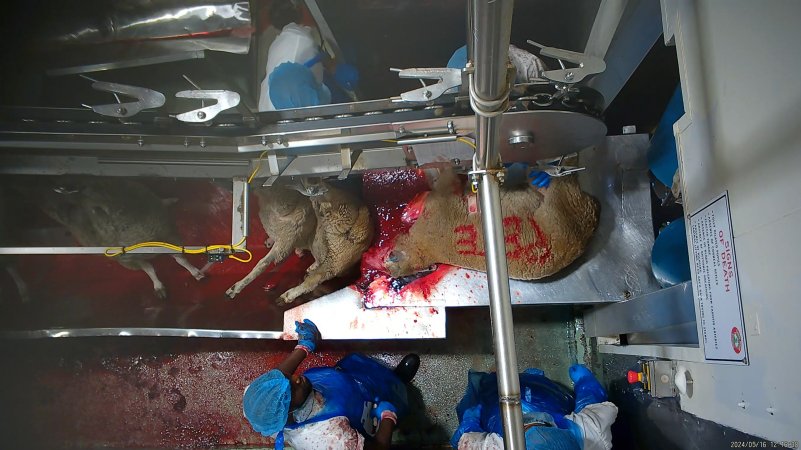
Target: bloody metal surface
141 393
90 290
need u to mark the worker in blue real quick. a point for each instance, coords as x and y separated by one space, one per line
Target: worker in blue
554 418
354 405
296 65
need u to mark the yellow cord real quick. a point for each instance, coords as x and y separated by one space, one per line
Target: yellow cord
466 141
117 251
472 144
258 166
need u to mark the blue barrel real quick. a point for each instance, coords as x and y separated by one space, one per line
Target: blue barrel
670 258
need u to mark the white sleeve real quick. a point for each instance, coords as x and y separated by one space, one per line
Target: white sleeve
333 434
480 441
596 422
528 66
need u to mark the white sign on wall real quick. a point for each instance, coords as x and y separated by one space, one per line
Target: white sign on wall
716 285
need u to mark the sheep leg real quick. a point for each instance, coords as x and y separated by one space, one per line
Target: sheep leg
312 280
206 267
181 259
278 253
158 286
22 288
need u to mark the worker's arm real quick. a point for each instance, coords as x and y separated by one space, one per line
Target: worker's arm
308 339
387 415
383 437
290 364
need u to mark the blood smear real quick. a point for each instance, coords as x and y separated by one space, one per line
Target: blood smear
396 199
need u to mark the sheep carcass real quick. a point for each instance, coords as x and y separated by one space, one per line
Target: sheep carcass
545 229
112 212
344 232
290 223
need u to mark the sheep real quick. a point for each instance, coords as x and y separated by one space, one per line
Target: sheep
545 229
344 232
111 212
290 223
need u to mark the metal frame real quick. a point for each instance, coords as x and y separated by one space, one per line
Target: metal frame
490 28
667 314
128 63
134 331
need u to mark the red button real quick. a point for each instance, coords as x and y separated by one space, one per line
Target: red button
634 377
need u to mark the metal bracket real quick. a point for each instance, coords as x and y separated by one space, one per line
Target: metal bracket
240 212
446 79
349 157
275 170
555 168
225 100
587 64
146 99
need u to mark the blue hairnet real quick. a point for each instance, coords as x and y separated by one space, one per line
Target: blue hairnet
293 85
266 402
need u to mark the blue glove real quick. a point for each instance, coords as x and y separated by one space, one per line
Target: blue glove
347 76
293 85
539 178
588 389
308 334
382 407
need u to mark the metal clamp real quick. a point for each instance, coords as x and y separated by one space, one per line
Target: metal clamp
146 99
349 158
554 167
225 100
446 79
275 170
587 64
475 176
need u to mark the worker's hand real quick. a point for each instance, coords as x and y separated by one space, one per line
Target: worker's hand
385 410
538 178
347 76
308 334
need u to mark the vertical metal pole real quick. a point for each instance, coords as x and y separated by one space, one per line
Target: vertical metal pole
490 32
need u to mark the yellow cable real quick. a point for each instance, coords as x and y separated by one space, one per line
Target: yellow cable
112 252
466 141
258 166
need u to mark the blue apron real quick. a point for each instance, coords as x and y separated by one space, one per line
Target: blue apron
538 394
350 389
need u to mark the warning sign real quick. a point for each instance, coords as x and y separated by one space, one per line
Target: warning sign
716 286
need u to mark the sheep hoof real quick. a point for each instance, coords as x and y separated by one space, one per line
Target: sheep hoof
231 292
284 300
161 293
